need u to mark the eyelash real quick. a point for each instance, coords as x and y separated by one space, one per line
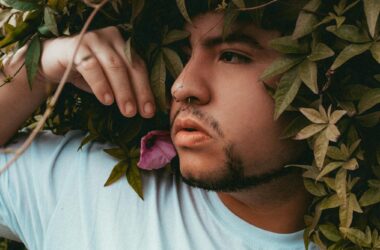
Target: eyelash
227 57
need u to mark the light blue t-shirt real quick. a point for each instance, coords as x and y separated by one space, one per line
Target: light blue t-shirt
54 198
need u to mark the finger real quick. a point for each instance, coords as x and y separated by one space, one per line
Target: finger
139 79
88 66
80 83
117 74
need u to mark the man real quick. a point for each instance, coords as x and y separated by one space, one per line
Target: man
223 131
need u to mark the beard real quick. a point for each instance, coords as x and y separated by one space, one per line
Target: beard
232 177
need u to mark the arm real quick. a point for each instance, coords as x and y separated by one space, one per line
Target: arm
101 68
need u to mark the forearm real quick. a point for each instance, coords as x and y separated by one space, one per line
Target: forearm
17 100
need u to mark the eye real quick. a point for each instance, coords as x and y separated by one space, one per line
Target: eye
234 58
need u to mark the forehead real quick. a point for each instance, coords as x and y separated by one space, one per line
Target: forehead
211 24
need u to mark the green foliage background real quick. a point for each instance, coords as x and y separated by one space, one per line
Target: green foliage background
330 83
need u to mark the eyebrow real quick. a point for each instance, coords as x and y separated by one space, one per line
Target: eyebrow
210 42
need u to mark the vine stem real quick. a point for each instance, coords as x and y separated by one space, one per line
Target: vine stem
58 92
258 6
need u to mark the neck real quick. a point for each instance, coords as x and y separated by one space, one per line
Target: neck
278 206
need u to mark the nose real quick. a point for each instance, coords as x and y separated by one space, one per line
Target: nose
192 83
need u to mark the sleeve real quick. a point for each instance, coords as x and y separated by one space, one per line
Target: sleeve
31 187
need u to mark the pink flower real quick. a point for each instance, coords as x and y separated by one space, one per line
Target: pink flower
156 150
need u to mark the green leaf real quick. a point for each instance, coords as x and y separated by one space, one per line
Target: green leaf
320 148
288 45
336 116
118 171
90 137
350 33
372 11
315 188
308 74
134 178
369 120
239 3
309 131
349 52
32 59
173 62
375 51
368 100
174 36
182 8
336 154
370 197
118 153
307 19
137 7
158 77
330 232
24 5
286 91
229 19
354 203
294 127
320 51
280 66
50 22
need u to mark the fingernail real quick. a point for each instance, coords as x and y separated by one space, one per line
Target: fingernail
129 109
148 108
108 99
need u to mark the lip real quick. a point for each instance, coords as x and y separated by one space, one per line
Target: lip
185 138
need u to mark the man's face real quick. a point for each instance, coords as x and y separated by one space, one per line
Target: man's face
226 137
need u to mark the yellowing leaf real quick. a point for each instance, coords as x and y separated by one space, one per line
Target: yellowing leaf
356 236
309 131
352 164
320 148
313 115
308 74
329 168
348 52
330 202
332 133
336 116
315 188
330 232
350 33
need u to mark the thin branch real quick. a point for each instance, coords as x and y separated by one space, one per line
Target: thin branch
54 99
258 6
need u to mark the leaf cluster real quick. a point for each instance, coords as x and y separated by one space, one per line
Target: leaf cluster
329 81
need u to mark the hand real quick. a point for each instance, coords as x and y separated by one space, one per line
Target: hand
101 68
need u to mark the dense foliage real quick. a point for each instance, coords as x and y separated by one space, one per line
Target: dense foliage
330 83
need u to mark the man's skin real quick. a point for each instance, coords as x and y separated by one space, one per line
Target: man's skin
230 110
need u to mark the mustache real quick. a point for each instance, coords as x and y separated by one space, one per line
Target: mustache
205 118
